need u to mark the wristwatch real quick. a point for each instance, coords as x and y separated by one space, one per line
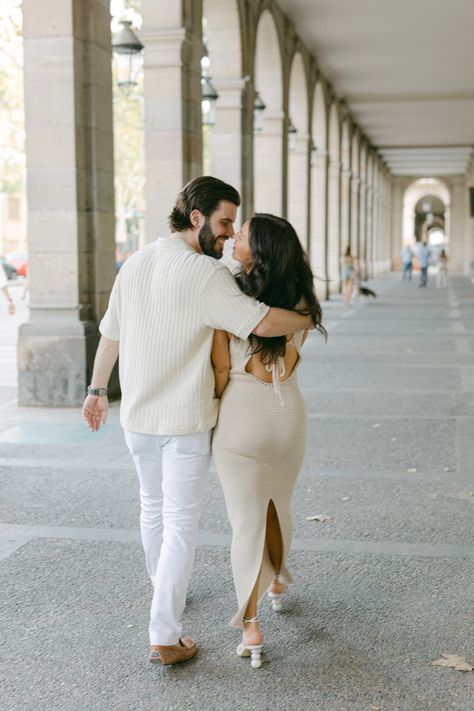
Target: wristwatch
100 392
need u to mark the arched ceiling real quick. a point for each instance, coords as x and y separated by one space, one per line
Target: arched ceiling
405 70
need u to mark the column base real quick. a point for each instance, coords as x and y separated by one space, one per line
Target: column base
55 363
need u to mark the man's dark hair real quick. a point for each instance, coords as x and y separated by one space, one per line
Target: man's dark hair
203 194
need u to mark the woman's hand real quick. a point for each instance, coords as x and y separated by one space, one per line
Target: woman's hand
95 411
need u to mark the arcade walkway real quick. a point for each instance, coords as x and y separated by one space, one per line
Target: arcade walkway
382 588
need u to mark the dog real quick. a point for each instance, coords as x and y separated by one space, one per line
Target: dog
365 291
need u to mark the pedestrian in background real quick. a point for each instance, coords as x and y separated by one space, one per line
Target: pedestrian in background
442 276
347 276
5 292
407 262
423 260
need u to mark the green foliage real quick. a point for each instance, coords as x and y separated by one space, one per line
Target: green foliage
12 132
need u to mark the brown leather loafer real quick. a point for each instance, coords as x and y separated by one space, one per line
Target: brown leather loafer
173 653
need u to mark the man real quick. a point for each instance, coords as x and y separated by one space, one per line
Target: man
407 262
423 260
165 304
5 292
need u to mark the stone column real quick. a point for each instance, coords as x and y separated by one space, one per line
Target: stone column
172 93
268 165
363 228
70 184
346 222
458 219
396 222
334 225
369 233
298 188
355 187
388 220
319 222
226 135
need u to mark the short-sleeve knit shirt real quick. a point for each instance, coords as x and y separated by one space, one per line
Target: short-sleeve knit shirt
165 304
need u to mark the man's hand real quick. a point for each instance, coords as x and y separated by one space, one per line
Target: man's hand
95 411
11 308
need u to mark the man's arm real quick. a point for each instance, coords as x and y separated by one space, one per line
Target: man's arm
11 305
95 408
280 322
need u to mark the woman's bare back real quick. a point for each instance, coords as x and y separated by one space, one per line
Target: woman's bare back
259 370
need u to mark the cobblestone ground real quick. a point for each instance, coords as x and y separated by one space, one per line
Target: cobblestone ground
382 588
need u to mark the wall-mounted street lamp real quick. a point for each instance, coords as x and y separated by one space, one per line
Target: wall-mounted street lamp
126 48
209 98
258 113
292 131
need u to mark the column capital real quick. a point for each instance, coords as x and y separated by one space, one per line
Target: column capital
164 48
319 159
230 93
230 85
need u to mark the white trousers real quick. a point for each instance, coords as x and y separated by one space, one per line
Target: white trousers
172 471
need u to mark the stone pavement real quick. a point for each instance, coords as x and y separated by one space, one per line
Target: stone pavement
381 589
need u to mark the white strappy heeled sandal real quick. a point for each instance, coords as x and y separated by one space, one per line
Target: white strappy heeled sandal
276 597
254 651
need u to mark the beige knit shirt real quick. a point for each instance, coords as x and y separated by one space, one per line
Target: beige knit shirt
165 304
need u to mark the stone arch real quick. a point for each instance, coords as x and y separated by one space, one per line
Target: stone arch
298 153
268 143
416 191
319 170
334 196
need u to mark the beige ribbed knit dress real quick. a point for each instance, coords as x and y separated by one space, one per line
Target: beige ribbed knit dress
258 449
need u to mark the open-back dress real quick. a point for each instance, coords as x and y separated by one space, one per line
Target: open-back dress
258 448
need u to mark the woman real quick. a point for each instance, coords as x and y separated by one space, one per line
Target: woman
442 276
259 440
347 276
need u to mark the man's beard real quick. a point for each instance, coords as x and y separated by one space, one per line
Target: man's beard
208 242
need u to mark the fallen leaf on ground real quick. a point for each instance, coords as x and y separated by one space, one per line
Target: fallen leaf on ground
412 470
454 661
377 425
394 439
375 708
322 518
345 498
447 469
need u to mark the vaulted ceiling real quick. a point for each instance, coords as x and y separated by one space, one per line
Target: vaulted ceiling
406 70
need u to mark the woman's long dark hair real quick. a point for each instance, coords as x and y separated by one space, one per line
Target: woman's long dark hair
280 276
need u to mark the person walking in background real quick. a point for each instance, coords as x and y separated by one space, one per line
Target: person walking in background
423 256
407 262
165 304
5 292
347 276
442 276
259 441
